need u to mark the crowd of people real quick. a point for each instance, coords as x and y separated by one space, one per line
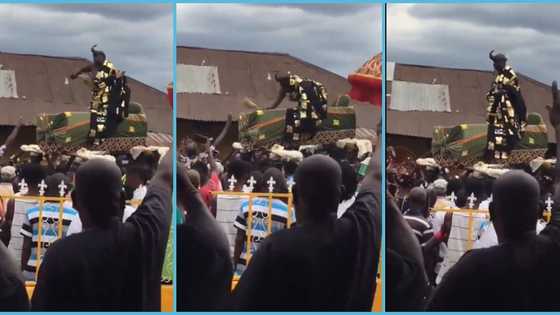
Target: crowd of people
513 241
96 228
319 250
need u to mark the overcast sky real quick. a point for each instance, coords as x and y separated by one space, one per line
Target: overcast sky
461 36
337 37
137 38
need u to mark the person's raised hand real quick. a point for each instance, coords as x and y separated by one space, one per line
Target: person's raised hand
554 110
164 172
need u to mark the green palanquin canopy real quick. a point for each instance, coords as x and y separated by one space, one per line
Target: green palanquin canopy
468 141
263 127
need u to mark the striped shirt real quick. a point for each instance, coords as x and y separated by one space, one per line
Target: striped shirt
49 228
421 227
260 223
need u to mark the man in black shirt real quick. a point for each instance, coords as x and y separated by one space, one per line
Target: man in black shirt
322 263
521 273
110 265
204 265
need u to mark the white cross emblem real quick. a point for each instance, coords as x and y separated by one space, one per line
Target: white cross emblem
251 183
232 182
23 186
291 184
549 202
62 189
271 184
42 186
472 200
452 197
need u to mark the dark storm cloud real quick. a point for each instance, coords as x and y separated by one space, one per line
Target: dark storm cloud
113 11
462 35
315 33
137 38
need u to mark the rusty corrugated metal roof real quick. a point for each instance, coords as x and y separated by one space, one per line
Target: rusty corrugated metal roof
246 74
467 92
41 88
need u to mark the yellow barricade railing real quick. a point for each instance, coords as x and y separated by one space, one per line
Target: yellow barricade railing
470 217
249 197
285 196
166 290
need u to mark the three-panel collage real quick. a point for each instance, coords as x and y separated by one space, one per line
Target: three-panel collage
279 157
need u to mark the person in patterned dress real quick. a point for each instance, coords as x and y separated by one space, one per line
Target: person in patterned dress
110 95
506 110
311 98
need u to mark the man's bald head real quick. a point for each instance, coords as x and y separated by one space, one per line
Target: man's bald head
514 207
417 197
318 187
99 190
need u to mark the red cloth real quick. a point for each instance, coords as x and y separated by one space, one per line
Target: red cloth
170 94
214 184
365 88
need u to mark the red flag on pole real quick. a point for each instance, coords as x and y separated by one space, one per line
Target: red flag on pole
366 82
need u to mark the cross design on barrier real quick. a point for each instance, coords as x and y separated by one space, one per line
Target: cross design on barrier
471 200
549 202
232 181
42 187
271 182
62 189
23 188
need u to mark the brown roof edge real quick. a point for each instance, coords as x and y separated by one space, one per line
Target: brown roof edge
264 53
75 59
148 86
43 56
471 70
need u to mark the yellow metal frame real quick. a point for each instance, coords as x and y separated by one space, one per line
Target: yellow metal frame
41 200
377 299
470 222
166 295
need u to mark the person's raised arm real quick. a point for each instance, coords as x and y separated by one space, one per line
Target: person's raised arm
85 69
553 229
154 213
189 198
12 137
279 99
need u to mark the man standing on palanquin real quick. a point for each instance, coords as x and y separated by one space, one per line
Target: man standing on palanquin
507 114
110 96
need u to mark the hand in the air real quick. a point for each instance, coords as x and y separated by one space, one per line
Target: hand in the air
554 110
73 76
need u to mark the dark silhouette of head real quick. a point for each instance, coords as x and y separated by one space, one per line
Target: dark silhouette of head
194 176
203 171
283 78
98 56
33 174
138 174
98 195
290 167
257 176
514 206
418 201
240 169
191 149
280 186
318 189
499 61
479 186
53 181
